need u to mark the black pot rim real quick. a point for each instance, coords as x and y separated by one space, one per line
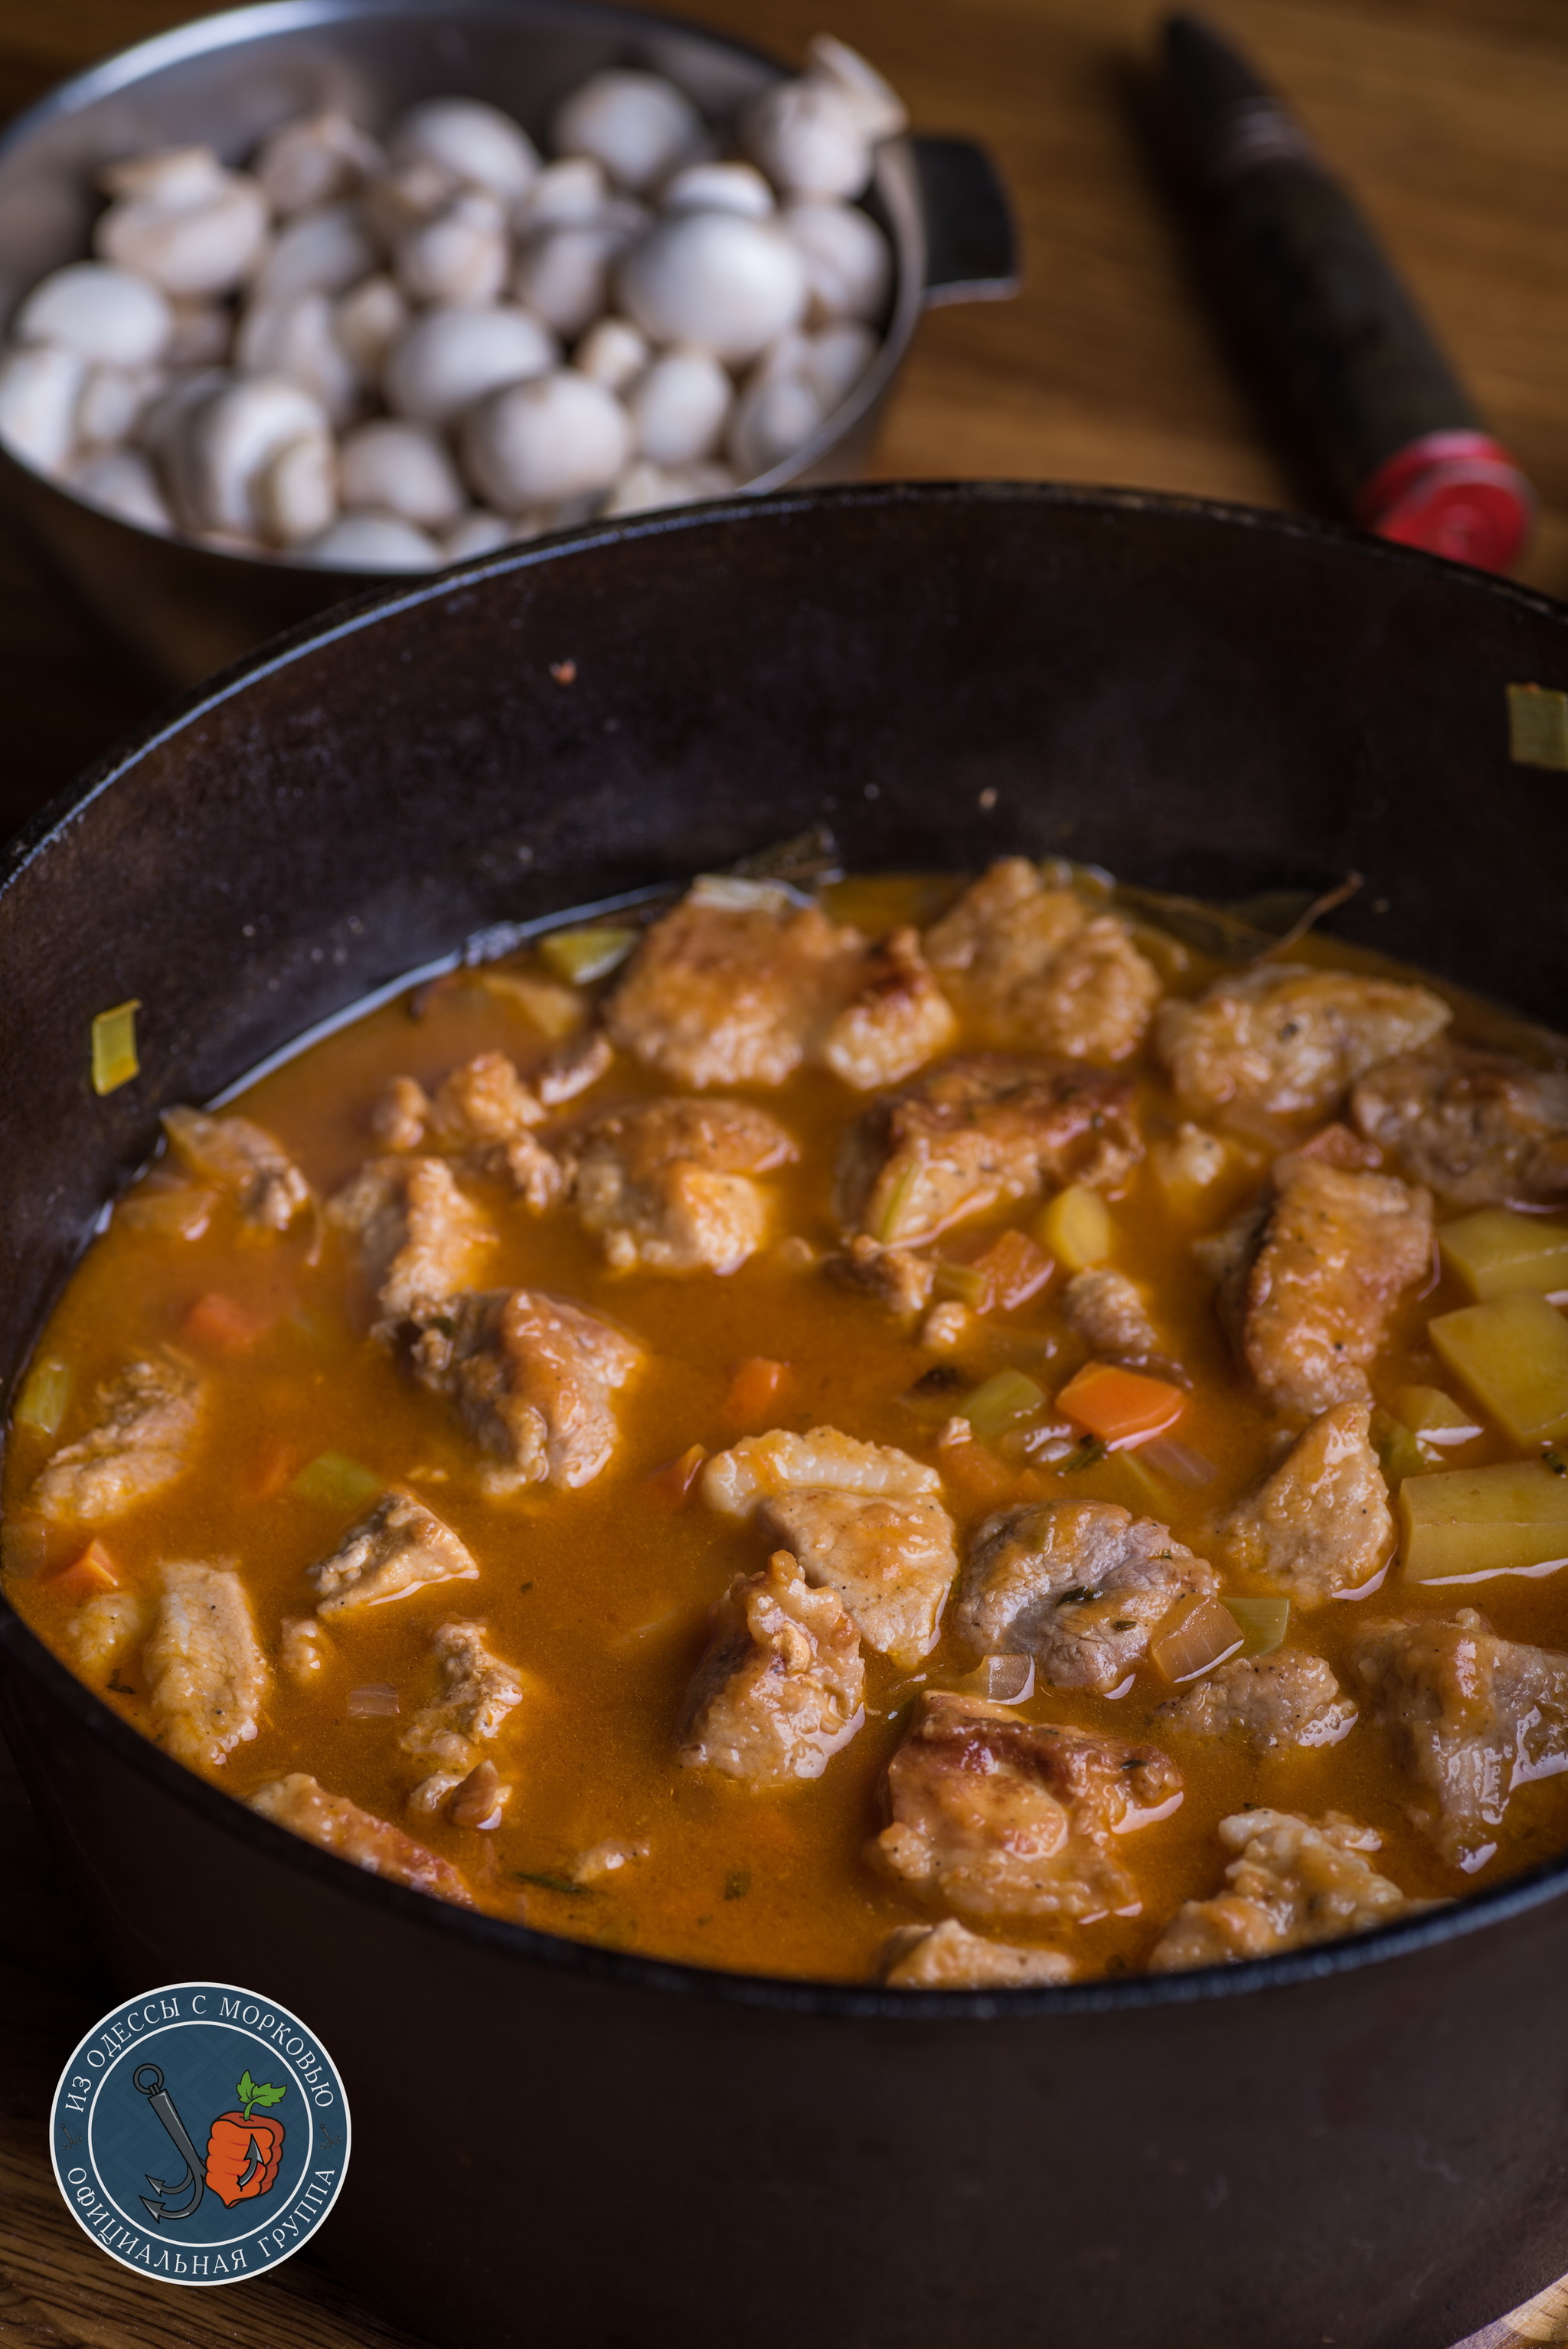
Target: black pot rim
1470 1913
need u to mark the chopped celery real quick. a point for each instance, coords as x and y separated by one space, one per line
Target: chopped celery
964 1281
1397 1449
337 1481
1264 1621
1077 1228
114 1047
1513 1354
1003 1402
1495 1251
582 956
1434 1416
1120 1476
1468 1523
46 1391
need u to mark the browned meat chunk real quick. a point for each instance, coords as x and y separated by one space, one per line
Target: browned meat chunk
1313 1280
139 1444
734 986
1106 1312
241 1158
1321 1523
306 1809
898 1020
574 1067
400 1547
892 1561
531 1378
478 1691
1290 1698
1006 1817
205 1675
897 1277
421 1239
1285 1038
103 1627
667 1187
482 1115
1038 972
1481 1128
1472 1717
782 1687
1293 1882
1079 1585
950 1957
977 1133
863 1520
399 1114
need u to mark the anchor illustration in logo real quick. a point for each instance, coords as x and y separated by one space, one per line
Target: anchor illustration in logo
242 2152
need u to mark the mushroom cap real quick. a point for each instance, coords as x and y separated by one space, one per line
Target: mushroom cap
575 189
217 445
718 188
848 264
368 319
165 175
638 125
40 384
477 533
204 245
112 402
562 274
401 468
678 406
807 137
775 415
122 482
715 280
296 337
537 444
112 316
324 251
371 542
475 142
458 254
313 158
450 356
612 351
879 109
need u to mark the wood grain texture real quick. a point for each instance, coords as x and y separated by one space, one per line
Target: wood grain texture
1446 115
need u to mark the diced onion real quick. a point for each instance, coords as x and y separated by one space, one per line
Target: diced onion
1180 1463
374 1697
1195 1636
1006 1680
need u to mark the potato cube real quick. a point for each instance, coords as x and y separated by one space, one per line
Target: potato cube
1513 1355
1466 1523
1077 1228
1434 1416
1495 1251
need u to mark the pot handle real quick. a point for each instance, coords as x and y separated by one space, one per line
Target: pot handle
971 243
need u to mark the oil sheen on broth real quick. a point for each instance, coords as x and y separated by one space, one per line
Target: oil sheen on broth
941 1433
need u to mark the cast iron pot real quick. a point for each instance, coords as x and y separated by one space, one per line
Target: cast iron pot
1366 2144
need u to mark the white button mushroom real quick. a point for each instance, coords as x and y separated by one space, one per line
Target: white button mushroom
638 125
718 188
775 415
112 403
539 444
450 357
643 486
315 159
219 447
574 189
405 468
40 385
323 252
368 320
475 142
296 493
678 408
183 220
725 283
612 352
101 313
835 360
458 255
848 264
394 202
877 106
808 139
122 482
562 274
478 532
371 542
296 337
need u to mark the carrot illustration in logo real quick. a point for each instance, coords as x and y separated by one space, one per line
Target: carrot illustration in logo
243 2153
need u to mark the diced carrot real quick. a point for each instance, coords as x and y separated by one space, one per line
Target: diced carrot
1121 1407
668 1486
1016 1268
94 1571
975 1473
220 1324
754 1389
277 1468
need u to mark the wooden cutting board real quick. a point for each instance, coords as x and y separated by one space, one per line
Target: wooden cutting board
1446 114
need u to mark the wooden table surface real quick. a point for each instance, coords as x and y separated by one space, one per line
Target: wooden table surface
1447 115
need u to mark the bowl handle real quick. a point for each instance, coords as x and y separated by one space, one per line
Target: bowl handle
971 244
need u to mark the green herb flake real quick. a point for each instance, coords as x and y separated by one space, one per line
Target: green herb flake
1089 1453
120 1687
551 1883
251 2093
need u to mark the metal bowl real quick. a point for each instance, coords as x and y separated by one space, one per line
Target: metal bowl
186 609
